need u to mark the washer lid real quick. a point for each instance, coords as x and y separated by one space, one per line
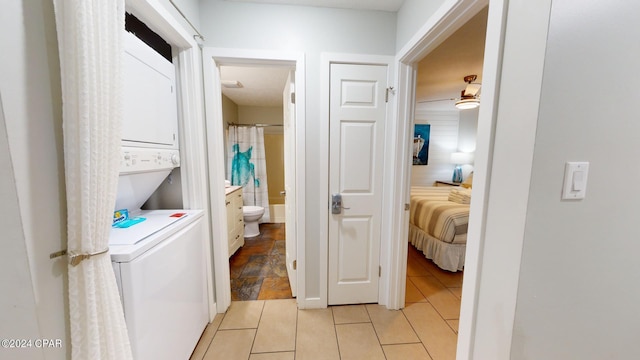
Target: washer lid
156 220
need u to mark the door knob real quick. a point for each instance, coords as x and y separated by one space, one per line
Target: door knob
336 204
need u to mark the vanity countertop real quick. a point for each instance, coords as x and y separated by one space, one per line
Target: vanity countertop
229 189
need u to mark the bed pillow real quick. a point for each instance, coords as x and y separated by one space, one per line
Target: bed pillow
460 196
468 181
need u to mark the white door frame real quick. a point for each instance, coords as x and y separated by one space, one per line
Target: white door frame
503 162
212 58
190 113
326 59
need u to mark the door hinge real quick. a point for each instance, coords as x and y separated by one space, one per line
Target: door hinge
293 98
386 95
379 271
407 207
295 264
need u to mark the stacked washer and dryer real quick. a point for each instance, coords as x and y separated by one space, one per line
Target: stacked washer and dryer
159 262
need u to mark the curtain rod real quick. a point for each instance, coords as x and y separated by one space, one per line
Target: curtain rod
185 17
256 125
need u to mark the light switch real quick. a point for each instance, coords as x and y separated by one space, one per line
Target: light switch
578 181
575 180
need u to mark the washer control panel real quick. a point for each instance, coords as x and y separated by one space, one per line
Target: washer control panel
133 160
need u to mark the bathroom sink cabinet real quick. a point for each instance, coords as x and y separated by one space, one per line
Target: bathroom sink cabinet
235 221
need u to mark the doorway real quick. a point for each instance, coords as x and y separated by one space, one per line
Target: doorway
214 60
257 120
435 261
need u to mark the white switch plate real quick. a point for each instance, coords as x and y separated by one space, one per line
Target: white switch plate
575 180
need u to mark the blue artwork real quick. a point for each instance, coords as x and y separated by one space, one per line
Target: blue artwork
421 144
242 169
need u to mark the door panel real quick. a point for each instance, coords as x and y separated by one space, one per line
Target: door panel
354 251
357 118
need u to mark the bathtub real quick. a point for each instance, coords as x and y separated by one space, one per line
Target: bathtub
277 213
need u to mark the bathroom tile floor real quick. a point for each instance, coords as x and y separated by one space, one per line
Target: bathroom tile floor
276 329
258 269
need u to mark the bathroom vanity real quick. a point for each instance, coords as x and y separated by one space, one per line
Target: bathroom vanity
235 221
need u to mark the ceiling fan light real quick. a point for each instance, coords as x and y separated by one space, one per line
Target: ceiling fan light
466 104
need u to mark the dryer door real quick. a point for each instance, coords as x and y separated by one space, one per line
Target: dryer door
150 116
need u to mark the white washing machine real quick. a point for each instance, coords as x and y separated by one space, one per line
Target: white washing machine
159 263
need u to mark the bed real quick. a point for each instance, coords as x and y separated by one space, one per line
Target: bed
438 227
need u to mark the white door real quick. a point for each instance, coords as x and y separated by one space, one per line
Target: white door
357 119
289 180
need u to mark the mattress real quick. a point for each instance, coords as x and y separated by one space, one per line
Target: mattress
433 213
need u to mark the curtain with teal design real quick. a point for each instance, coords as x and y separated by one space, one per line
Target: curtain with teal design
247 166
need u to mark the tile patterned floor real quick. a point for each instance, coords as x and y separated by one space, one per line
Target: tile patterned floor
276 330
258 269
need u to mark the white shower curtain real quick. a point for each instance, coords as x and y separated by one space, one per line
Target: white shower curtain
247 166
90 46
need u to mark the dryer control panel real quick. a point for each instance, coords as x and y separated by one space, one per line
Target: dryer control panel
138 160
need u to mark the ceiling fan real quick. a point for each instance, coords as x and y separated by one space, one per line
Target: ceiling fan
469 97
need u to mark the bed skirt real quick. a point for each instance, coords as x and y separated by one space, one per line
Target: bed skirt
447 256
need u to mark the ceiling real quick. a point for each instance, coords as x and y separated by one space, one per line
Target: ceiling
261 85
383 5
440 73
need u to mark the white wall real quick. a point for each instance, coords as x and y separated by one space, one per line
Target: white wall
312 31
411 17
30 87
17 304
443 141
468 130
578 295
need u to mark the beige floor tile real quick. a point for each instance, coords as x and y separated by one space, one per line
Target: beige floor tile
242 315
231 345
415 269
454 324
358 341
456 291
449 279
406 352
206 338
274 356
316 336
439 296
277 328
412 294
391 326
436 335
430 265
350 314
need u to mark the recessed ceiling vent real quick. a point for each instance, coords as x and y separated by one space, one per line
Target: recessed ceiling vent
231 84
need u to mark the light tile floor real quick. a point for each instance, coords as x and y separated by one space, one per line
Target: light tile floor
276 330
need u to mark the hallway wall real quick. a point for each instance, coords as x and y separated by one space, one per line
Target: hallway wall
578 291
30 87
311 30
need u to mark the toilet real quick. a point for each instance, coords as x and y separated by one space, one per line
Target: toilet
252 215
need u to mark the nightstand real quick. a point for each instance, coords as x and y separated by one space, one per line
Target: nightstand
443 183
